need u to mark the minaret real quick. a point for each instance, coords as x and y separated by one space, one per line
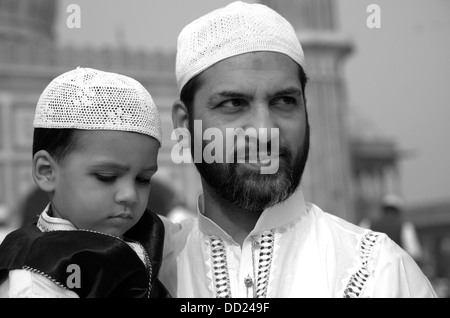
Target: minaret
327 179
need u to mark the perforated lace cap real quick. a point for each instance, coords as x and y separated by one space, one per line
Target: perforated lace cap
235 29
90 99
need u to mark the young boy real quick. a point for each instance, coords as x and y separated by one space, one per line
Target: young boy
96 141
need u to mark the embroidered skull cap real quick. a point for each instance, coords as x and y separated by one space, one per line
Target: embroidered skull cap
232 30
90 99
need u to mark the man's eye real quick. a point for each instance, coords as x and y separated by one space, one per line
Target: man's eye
106 178
285 100
232 103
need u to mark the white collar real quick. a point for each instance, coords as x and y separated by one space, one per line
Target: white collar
47 223
277 216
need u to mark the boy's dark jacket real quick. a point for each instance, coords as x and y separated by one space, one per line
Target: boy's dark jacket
108 267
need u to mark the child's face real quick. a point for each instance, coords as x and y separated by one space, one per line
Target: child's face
105 184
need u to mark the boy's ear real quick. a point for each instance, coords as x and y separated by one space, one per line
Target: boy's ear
180 117
43 170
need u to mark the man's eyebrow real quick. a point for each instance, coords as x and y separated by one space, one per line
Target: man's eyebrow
227 94
289 91
293 90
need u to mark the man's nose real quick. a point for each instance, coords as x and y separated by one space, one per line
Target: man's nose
261 117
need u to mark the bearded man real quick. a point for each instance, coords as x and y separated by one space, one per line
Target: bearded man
241 67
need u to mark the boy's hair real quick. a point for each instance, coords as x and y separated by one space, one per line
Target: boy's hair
57 142
89 99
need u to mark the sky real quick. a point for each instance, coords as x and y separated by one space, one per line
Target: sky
397 77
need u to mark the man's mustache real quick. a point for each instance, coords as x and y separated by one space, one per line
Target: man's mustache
259 154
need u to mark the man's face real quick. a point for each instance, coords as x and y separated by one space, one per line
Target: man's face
254 90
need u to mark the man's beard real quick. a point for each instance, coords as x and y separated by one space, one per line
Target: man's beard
250 190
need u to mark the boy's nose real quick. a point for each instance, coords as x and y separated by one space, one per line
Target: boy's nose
127 194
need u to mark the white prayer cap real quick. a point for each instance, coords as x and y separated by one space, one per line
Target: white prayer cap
90 99
235 29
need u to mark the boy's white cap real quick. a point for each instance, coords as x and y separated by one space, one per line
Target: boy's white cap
235 29
90 99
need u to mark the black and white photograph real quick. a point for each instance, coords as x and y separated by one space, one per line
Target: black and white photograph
224 149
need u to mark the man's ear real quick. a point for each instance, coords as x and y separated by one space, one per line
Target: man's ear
180 120
180 117
44 170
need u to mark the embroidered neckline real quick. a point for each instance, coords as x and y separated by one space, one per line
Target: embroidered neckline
47 223
55 281
359 279
147 262
221 277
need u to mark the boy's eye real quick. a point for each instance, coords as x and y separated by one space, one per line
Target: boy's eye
144 180
106 178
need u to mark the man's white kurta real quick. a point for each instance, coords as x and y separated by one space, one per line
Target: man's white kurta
307 253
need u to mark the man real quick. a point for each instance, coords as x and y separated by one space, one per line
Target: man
241 68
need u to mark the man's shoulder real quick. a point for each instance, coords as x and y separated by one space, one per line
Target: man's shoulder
184 225
176 233
337 226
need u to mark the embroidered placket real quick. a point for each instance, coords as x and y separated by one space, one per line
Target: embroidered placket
359 279
264 263
220 267
261 271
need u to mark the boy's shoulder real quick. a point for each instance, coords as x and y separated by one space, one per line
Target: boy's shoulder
58 255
